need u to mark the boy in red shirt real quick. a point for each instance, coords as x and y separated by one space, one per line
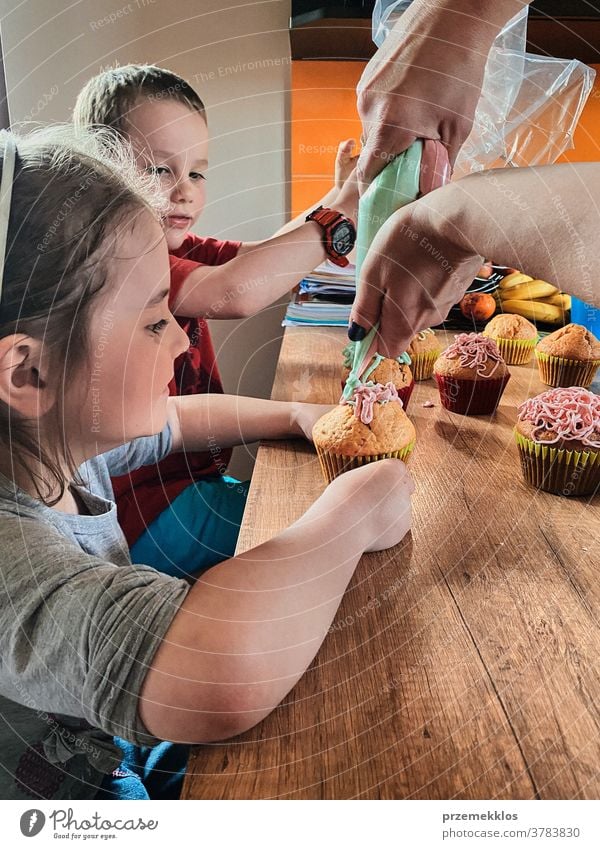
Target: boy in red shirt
183 515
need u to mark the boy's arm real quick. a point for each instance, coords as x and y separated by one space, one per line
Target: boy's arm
213 421
259 276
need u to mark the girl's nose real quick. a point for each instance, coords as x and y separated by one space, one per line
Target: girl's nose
180 341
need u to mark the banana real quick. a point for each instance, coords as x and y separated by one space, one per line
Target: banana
560 300
535 311
514 279
529 291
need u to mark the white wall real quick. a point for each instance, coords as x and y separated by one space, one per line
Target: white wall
237 56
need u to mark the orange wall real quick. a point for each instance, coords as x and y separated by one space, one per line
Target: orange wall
587 134
324 113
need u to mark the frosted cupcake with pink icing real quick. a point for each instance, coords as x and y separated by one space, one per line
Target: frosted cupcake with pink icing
370 426
471 375
558 437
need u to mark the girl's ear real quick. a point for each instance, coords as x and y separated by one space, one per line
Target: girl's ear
23 378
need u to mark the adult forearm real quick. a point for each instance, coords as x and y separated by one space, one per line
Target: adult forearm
462 19
544 220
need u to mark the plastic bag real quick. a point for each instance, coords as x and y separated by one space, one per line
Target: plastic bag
529 105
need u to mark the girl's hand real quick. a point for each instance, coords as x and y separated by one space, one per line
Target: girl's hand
345 162
305 416
383 491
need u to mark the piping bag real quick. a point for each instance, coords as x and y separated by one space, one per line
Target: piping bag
424 166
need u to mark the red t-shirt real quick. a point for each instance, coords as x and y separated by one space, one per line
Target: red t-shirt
144 493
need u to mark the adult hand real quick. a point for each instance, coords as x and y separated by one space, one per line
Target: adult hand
417 268
425 80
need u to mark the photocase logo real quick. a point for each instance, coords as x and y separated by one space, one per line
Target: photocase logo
32 822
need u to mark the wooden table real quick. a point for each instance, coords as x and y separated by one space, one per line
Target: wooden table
462 664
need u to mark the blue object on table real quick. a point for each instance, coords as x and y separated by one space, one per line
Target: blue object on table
586 314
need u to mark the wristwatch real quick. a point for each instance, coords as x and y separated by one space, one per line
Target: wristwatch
339 233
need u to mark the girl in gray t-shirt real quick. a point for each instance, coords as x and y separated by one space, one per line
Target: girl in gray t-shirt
101 660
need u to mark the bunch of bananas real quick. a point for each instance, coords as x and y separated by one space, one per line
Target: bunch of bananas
534 299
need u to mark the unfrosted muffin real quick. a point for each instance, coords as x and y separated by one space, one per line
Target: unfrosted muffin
371 426
383 370
423 351
558 437
471 375
568 357
515 336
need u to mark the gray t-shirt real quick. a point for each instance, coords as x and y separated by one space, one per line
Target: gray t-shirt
79 627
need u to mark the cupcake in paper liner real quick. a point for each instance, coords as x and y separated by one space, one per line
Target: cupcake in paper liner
558 438
568 357
471 375
515 336
383 370
423 351
370 426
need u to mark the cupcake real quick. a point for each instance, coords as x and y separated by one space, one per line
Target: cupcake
558 437
370 426
471 375
515 336
383 370
568 357
423 351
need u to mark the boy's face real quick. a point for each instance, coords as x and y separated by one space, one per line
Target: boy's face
172 140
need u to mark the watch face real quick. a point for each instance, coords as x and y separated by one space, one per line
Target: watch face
343 237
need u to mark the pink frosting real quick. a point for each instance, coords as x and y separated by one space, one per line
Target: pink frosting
367 394
474 351
568 414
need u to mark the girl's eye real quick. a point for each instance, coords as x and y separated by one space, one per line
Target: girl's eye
159 326
195 175
158 170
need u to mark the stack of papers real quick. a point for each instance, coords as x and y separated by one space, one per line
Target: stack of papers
324 297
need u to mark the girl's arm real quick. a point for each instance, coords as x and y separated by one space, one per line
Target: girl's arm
249 627
262 273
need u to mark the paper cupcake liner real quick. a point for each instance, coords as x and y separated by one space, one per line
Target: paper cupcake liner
559 371
405 393
557 470
471 397
422 364
516 352
333 465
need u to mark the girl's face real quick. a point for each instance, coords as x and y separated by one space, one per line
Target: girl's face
172 140
133 342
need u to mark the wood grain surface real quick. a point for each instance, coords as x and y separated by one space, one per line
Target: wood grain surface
462 664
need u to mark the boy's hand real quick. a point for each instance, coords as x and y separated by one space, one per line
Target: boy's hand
305 416
345 162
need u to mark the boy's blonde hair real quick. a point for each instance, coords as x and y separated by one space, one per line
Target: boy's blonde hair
108 98
70 191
